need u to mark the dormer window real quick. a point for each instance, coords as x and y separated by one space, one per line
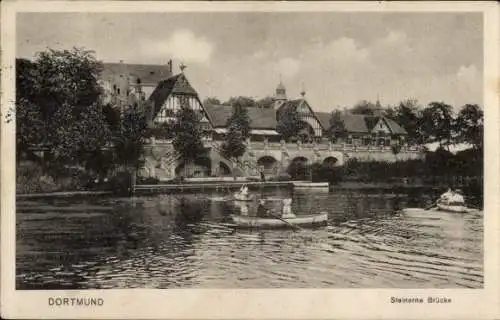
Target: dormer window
138 81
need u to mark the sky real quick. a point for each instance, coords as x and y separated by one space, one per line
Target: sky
339 58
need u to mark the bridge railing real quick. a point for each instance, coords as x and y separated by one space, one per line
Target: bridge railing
322 146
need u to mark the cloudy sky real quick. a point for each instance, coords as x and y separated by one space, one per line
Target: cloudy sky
339 58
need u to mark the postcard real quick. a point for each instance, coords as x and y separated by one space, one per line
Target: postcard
249 160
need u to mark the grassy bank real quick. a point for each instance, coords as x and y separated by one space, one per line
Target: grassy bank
33 178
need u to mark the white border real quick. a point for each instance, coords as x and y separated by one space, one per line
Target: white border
252 304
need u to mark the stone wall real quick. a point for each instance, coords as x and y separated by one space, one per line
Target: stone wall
161 161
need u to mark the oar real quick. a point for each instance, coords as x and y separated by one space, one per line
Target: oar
431 206
288 223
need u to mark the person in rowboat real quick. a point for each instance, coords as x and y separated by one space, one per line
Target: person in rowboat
262 211
287 209
457 198
445 197
244 190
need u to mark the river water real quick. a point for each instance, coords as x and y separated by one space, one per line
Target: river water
184 241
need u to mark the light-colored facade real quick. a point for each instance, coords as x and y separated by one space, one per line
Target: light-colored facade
125 83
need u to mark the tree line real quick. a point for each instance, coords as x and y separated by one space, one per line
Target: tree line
435 123
60 109
243 101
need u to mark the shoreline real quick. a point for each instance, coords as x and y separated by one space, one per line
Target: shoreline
62 194
152 189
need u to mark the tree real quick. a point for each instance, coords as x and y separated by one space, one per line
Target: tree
265 103
211 101
59 98
289 124
233 145
163 131
469 126
67 78
391 113
437 123
337 127
30 127
241 100
25 79
128 140
187 141
363 107
408 115
238 131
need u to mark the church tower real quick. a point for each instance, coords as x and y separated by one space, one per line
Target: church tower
280 97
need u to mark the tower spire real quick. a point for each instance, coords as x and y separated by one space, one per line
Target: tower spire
303 91
378 106
182 66
280 96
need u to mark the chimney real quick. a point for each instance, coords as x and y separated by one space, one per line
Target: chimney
170 66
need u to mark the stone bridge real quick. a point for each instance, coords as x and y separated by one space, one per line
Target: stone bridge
270 158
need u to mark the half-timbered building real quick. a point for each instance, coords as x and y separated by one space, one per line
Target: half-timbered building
168 98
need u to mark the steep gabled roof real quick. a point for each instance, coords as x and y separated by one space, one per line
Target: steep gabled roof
294 104
355 123
324 119
149 74
394 127
177 84
259 118
360 123
371 121
391 124
352 122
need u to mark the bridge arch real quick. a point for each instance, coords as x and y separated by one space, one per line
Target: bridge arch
268 163
332 161
300 159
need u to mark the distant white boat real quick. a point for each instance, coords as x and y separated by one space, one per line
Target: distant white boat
310 185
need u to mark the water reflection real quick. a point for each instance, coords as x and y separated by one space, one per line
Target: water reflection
171 241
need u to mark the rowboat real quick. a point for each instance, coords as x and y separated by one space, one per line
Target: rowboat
454 208
299 221
310 185
240 197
